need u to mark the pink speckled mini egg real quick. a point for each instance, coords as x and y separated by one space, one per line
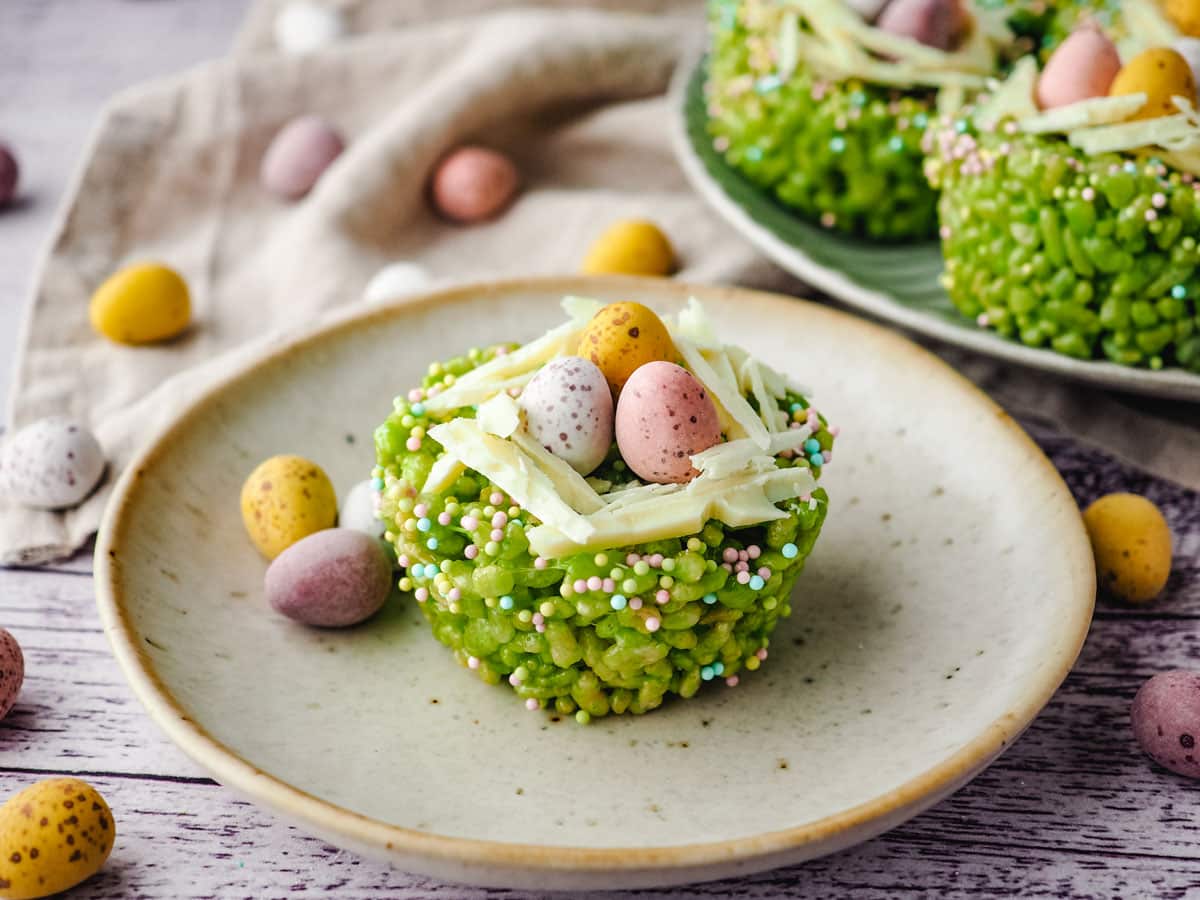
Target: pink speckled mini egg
934 23
12 671
331 579
569 411
1166 720
665 416
473 184
1083 66
298 156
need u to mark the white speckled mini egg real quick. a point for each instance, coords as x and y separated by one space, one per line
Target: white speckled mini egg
12 671
395 280
302 27
569 411
359 510
51 464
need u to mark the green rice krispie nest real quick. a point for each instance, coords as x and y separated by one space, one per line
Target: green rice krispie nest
593 633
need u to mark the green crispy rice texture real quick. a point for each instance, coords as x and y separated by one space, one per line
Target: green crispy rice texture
1092 257
591 659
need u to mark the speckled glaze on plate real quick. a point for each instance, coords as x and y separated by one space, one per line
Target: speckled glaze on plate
944 604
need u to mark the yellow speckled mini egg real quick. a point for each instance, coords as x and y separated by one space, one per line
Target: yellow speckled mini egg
632 247
622 337
1185 14
1160 73
141 304
53 835
1132 545
285 499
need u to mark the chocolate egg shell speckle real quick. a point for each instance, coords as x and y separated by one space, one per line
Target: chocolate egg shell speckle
664 417
569 411
12 671
52 464
1166 721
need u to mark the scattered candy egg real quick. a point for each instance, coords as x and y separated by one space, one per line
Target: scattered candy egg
868 9
303 27
9 173
621 337
141 304
1132 545
934 23
569 411
1189 49
302 150
473 184
1185 15
330 579
1160 73
12 671
285 499
664 416
53 463
1083 67
395 280
632 247
1166 721
358 510
53 835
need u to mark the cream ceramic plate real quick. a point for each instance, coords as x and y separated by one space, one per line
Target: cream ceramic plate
943 606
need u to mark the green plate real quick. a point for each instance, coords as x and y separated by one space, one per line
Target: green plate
896 283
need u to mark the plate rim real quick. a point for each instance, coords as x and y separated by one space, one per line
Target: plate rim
396 841
1174 383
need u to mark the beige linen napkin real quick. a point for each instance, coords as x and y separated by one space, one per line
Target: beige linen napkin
574 94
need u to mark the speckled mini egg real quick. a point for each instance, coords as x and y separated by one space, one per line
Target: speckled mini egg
330 579
1166 721
1185 15
934 23
1160 73
12 671
53 835
53 463
396 280
302 27
1083 67
141 304
473 184
630 247
359 509
569 411
622 337
9 174
285 499
665 416
1132 545
298 155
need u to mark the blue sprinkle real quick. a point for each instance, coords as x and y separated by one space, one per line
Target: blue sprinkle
816 459
618 601
431 543
1131 168
796 407
756 582
506 602
718 668
837 143
812 445
423 524
707 673
516 522
896 143
789 551
961 126
418 409
710 599
1179 292
920 120
377 484
768 83
754 154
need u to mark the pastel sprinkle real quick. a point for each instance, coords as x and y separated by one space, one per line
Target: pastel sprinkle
764 571
706 672
432 543
532 705
1179 292
718 668
762 653
418 409
454 596
812 445
470 523
471 551
582 716
422 594
662 597
817 459
443 518
496 499
753 551
653 624
580 586
635 602
499 520
743 577
413 444
756 582
595 583
421 510
618 601
547 608
497 534
730 555
608 586
732 681
423 524
506 602
539 563
514 679
538 619
472 662
710 599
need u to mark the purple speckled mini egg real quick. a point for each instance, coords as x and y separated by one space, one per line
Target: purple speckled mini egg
569 411
12 671
934 23
1166 720
330 579
51 464
298 156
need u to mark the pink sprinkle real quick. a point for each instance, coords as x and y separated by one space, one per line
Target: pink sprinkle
653 624
443 518
788 454
743 577
835 430
595 583
514 680
422 594
470 523
454 595
502 351
728 567
415 395
404 560
532 705
539 563
762 653
631 559
743 555
514 392
497 534
730 555
435 390
496 499
539 628
662 597
608 586
472 662
1151 215
538 618
499 520
656 561
420 510
754 551
1088 194
793 424
982 320
635 603
732 681
471 552
580 586
741 566
828 454
804 498
764 572
413 444
1159 200
945 232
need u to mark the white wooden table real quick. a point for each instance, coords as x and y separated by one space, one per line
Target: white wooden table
1072 810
